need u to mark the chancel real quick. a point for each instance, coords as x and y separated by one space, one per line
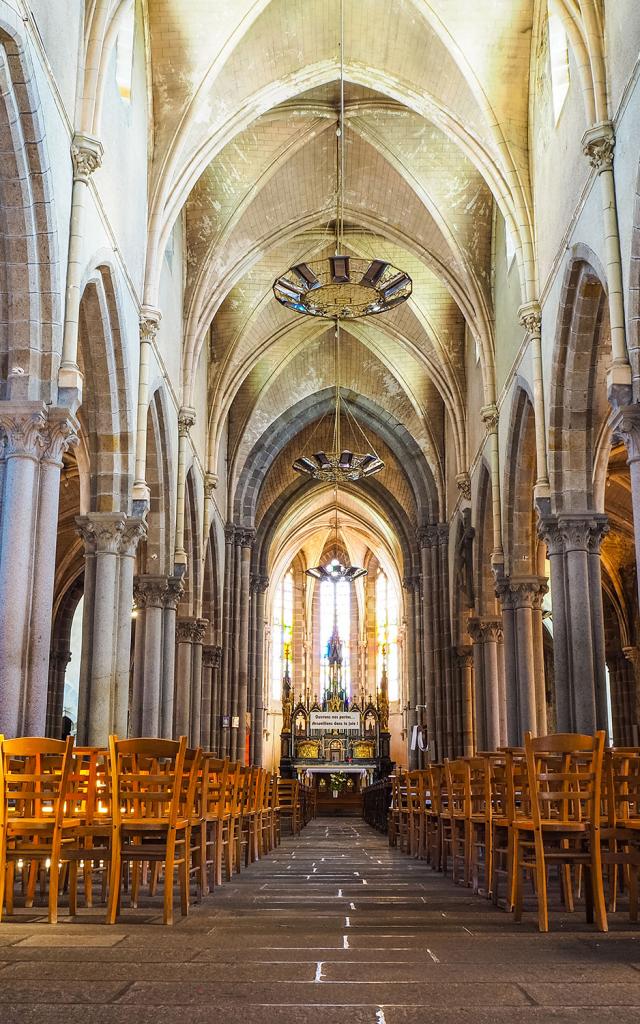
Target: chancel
319 511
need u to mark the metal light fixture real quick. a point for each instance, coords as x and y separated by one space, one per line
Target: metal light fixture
340 463
335 571
342 287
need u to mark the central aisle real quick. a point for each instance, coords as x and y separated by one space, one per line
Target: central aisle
333 928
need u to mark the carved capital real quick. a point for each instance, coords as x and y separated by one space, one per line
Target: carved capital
443 534
184 630
101 531
62 432
86 154
150 591
186 419
149 322
229 533
573 531
465 657
259 583
632 654
23 428
530 316
625 421
210 485
598 144
522 591
172 596
463 483
135 529
245 537
199 630
485 630
490 417
212 656
408 584
427 535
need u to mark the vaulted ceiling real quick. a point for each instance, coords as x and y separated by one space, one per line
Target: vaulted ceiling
246 100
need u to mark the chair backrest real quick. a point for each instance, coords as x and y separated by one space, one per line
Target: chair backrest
480 787
288 794
622 786
147 778
565 777
88 789
193 774
215 789
458 787
415 791
34 773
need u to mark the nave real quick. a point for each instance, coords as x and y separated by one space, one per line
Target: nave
332 927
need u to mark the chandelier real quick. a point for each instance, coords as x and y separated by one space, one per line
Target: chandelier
335 571
342 287
341 463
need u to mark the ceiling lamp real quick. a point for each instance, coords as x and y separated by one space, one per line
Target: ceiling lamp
342 287
341 463
334 571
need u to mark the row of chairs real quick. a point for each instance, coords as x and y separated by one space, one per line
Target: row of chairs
130 814
563 801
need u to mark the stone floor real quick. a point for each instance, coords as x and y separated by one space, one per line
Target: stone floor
332 928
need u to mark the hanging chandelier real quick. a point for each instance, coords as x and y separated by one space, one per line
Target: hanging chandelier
335 571
341 286
341 463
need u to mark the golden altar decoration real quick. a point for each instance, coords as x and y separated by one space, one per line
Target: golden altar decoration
308 748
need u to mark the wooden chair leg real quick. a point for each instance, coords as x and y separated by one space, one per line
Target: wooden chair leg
73 888
54 882
115 878
10 885
168 876
599 903
541 884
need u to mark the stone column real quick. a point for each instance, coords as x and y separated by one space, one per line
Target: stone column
185 628
465 660
196 716
149 323
207 740
445 642
146 706
487 636
425 538
520 597
246 541
34 437
257 726
626 422
86 154
632 654
215 696
186 419
408 585
573 541
168 678
227 606
110 540
60 658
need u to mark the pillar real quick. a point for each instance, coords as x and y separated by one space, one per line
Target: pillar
521 597
186 419
60 658
149 323
110 540
425 540
243 585
227 606
487 636
146 704
186 631
465 661
210 681
260 584
168 677
573 542
35 437
408 585
445 639
86 155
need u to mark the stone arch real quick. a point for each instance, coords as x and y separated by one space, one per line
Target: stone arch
106 414
520 477
579 405
30 307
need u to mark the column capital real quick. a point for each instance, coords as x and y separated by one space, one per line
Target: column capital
443 534
135 529
86 154
490 417
150 591
184 631
23 428
259 583
427 536
229 533
211 656
173 593
626 422
598 144
573 531
463 483
186 419
485 630
210 485
245 536
101 531
149 323
522 591
530 317
62 432
465 656
199 630
632 654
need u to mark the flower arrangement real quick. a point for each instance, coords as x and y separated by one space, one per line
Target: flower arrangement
338 781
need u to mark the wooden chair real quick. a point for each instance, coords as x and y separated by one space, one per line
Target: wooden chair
416 813
433 826
459 818
509 801
289 806
87 823
621 822
393 815
480 823
565 780
214 806
151 815
33 782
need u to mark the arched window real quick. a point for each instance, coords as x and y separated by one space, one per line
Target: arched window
124 53
387 634
335 607
559 64
282 634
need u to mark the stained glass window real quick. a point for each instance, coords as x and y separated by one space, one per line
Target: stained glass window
282 634
335 605
387 634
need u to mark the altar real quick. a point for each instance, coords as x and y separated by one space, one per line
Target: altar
335 734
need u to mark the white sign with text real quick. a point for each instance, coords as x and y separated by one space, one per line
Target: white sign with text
348 721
